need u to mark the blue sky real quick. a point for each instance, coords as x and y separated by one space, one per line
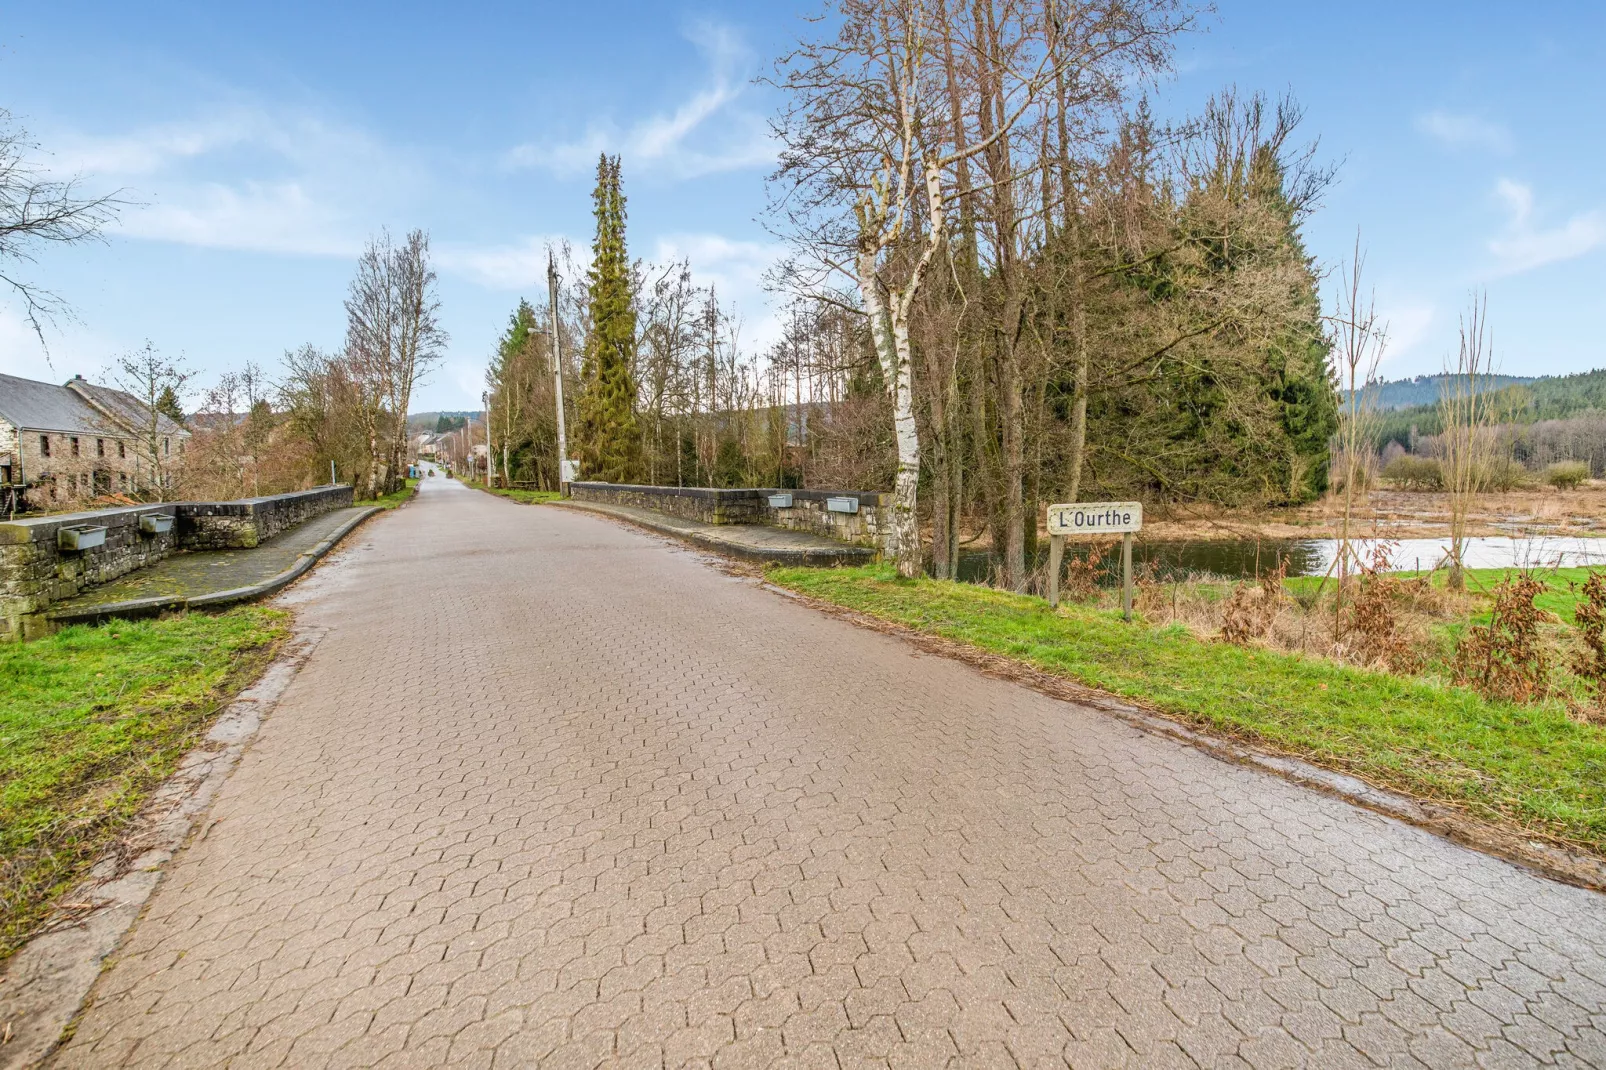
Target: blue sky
265 142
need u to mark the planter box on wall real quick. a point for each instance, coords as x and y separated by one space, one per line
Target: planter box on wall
81 537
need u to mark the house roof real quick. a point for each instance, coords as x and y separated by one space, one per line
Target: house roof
124 408
32 405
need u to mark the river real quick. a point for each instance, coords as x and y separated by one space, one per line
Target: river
1240 558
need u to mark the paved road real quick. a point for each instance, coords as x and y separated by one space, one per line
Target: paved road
552 793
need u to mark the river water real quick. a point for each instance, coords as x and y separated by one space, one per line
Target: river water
1240 558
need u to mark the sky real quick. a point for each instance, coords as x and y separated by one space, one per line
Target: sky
258 145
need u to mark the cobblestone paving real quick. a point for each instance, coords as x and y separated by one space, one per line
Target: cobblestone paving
552 793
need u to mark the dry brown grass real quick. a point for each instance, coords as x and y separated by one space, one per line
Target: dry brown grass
1539 510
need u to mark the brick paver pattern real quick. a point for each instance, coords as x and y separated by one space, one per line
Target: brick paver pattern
553 792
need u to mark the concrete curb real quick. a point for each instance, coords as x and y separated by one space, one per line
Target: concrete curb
848 555
47 982
150 607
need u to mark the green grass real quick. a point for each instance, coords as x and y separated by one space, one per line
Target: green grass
408 488
527 497
1562 586
1525 766
91 720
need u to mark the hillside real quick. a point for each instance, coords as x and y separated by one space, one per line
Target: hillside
1424 390
1524 401
429 421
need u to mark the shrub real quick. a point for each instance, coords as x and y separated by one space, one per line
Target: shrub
1414 473
1589 660
1506 658
1566 475
1249 612
1503 474
1082 575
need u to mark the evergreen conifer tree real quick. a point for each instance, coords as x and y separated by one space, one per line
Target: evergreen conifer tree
607 405
167 404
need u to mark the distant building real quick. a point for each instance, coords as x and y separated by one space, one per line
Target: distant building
64 445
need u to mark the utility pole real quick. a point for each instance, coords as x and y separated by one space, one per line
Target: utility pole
485 402
557 368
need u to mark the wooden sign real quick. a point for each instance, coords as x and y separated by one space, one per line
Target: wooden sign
1095 518
1083 520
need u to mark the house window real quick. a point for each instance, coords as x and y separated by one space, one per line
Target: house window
122 481
75 445
122 449
44 447
167 447
100 447
83 481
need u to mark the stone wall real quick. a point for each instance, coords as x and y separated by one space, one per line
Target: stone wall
871 526
81 466
34 572
711 505
250 521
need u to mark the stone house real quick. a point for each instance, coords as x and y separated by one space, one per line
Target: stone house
61 446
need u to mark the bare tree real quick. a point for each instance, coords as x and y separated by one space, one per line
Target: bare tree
420 341
145 375
393 337
1358 339
1468 442
37 211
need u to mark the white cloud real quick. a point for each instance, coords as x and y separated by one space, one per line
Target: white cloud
706 134
519 266
73 348
1408 324
1522 246
263 217
243 176
1465 131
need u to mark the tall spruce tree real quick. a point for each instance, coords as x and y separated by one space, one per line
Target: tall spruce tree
607 406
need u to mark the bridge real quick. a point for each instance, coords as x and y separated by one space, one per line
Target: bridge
551 790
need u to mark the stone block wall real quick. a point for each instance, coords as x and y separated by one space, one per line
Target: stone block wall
711 505
251 521
871 526
35 573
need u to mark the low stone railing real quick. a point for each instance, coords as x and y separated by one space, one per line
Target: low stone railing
250 521
868 524
37 569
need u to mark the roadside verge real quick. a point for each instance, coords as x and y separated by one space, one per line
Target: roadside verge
1513 782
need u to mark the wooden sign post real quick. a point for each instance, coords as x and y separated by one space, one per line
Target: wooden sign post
1089 520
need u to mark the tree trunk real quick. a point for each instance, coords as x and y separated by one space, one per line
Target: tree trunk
892 347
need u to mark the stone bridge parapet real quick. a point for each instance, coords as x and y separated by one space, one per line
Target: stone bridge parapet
868 522
36 569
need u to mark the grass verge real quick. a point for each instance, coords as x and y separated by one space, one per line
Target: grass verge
527 497
91 720
1528 767
408 488
516 494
